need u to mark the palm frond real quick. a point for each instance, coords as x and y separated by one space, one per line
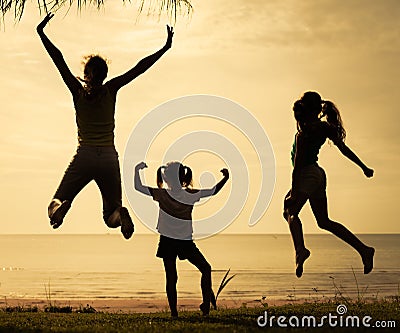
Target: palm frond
171 7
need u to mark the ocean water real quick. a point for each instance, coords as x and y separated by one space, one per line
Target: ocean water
107 266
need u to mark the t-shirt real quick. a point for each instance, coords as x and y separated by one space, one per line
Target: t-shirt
95 117
175 214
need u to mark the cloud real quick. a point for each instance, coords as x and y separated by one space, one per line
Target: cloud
307 23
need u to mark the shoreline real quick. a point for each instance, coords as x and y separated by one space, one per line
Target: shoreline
134 305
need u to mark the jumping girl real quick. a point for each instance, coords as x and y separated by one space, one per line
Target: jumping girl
309 179
96 157
175 225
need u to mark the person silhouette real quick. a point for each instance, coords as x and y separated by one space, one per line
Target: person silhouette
309 179
96 157
175 226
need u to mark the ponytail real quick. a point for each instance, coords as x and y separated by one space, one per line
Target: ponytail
186 178
160 181
334 119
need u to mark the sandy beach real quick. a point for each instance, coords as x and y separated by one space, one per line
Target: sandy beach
136 305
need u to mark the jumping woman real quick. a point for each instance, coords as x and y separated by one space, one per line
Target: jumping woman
309 179
175 226
96 157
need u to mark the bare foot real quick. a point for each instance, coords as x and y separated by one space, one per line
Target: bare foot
127 227
368 259
57 211
301 257
205 309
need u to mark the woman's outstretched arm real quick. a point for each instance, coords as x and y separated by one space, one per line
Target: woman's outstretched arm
143 65
138 182
71 81
213 191
346 151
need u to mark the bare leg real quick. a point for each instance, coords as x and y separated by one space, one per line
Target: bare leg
291 214
198 260
171 277
319 207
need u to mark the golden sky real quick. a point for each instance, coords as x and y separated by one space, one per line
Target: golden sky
260 54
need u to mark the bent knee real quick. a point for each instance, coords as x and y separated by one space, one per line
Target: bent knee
206 269
324 223
290 214
292 218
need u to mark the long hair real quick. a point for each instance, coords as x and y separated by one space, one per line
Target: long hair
333 118
174 173
311 106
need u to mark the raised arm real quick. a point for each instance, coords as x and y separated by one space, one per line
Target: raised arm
143 65
138 182
214 190
71 81
346 151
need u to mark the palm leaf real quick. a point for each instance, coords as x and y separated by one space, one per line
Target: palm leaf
171 7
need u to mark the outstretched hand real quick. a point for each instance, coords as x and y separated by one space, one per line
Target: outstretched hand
170 31
44 22
225 172
141 166
368 172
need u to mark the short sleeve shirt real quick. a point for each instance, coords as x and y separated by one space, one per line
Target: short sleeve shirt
175 214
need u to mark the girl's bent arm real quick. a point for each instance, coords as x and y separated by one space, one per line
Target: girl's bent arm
217 187
57 57
143 65
138 182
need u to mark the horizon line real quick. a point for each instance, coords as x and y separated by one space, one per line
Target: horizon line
154 234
